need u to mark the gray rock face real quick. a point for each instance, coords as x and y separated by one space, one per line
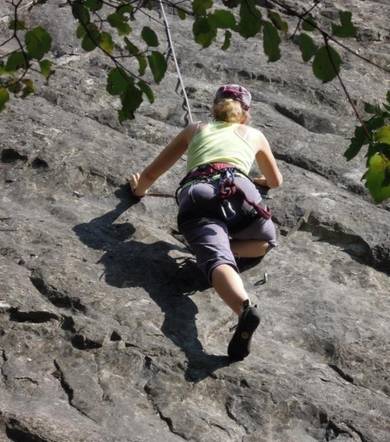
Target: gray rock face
108 331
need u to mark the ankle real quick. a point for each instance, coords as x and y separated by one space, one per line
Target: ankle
245 304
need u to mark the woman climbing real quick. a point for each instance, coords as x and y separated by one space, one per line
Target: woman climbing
220 211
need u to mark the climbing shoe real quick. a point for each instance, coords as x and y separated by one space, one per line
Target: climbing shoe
248 321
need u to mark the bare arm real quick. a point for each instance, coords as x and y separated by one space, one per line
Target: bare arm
140 182
267 164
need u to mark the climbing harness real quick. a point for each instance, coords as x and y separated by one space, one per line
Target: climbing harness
226 184
227 187
180 83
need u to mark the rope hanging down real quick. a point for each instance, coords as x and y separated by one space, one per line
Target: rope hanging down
186 104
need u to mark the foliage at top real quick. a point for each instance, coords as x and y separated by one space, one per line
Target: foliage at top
107 26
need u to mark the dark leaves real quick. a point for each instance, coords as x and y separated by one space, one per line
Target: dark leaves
326 64
307 46
158 65
38 42
271 41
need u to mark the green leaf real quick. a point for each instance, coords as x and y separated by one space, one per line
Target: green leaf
81 13
250 19
375 122
15 88
28 87
204 31
131 47
94 5
15 61
19 25
38 42
371 108
277 21
45 66
4 97
106 42
388 97
158 65
131 99
142 63
383 135
308 23
80 31
145 88
149 36
326 64
116 21
347 29
307 46
377 177
117 81
226 42
91 39
124 8
182 15
3 70
359 139
223 19
271 41
199 7
231 3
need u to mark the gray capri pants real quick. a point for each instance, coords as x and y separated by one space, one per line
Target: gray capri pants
208 230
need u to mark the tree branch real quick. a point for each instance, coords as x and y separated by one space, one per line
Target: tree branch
326 41
330 37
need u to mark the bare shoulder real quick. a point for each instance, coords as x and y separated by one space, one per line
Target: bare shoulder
258 139
192 129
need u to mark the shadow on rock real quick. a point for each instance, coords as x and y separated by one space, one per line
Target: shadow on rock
168 280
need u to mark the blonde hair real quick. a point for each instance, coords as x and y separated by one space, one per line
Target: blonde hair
229 110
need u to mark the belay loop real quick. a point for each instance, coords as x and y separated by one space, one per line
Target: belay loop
226 186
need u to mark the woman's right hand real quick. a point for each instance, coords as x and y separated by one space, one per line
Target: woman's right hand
133 182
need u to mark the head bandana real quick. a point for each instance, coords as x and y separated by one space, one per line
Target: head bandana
236 92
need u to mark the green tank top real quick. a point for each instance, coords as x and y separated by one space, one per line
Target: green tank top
219 142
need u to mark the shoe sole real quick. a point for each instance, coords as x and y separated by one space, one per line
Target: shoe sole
239 346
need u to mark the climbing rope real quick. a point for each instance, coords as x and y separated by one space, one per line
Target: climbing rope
180 83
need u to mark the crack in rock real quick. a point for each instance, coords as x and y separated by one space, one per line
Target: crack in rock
26 378
4 359
341 373
166 419
17 432
358 432
36 317
353 244
68 390
77 339
81 342
334 430
11 156
228 407
54 296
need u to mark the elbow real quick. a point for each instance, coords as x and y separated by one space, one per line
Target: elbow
276 181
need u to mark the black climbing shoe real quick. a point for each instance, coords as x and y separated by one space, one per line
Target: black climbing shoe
239 345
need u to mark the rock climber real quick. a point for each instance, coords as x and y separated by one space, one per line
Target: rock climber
220 213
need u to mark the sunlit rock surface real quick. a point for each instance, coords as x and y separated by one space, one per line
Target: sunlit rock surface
108 332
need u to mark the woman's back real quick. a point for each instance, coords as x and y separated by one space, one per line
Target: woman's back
222 142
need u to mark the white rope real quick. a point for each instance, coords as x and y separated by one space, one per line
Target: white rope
185 97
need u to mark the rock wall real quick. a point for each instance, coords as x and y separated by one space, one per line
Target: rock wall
108 331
